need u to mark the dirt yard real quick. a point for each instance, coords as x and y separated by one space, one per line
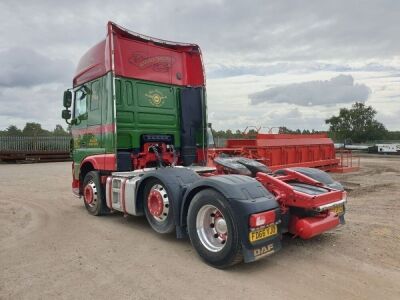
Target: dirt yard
51 248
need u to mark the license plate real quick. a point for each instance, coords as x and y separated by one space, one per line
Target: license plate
263 233
338 209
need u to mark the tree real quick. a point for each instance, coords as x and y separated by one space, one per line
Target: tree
357 124
60 131
284 129
252 133
13 130
34 129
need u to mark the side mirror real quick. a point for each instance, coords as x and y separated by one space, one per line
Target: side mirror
87 90
67 99
83 116
66 114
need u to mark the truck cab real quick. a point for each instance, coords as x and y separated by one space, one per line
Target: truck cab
134 99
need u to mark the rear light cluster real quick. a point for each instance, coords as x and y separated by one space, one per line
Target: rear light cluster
261 219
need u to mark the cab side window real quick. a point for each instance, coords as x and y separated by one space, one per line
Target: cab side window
80 103
95 97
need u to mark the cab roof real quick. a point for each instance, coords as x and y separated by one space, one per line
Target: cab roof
133 55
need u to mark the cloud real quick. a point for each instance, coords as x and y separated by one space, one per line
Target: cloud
339 89
25 67
273 117
284 30
42 104
245 48
390 120
290 113
263 31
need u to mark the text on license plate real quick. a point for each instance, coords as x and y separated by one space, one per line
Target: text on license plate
263 233
337 209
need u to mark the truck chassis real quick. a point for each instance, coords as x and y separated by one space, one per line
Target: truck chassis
228 217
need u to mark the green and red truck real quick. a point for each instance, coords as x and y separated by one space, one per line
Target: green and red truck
139 147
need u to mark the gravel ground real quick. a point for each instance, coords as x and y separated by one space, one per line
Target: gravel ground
51 248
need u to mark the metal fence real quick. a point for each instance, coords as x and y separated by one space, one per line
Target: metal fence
33 144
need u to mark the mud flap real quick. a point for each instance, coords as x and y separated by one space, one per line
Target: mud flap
258 252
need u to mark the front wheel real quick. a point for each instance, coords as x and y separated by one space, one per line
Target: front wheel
93 194
212 229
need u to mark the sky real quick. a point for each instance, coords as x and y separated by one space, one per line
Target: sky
268 63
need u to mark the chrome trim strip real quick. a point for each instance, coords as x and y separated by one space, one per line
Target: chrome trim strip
330 205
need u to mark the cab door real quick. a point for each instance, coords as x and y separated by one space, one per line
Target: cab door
94 104
87 130
79 127
94 121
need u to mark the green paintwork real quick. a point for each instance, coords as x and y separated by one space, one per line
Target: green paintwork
145 107
99 108
141 108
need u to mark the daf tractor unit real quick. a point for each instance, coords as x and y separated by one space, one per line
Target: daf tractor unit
138 116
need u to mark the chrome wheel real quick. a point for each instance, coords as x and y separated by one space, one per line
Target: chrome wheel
90 194
211 228
158 203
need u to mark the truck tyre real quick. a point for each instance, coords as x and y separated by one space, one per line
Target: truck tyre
93 194
212 229
158 207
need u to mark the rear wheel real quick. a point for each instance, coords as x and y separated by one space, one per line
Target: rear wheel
212 229
158 207
93 194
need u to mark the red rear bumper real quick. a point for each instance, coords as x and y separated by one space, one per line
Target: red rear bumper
309 227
